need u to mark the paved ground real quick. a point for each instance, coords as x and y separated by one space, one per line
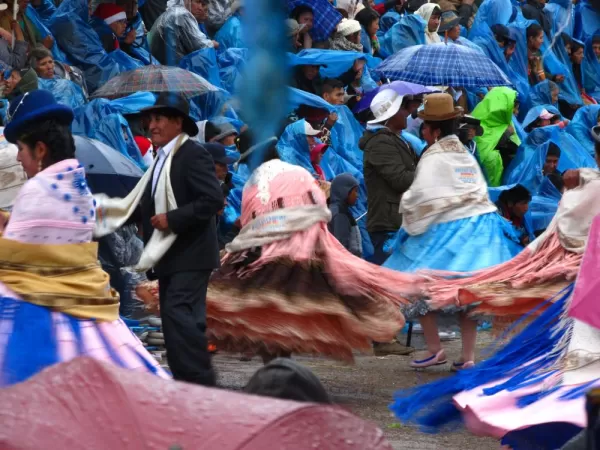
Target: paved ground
366 388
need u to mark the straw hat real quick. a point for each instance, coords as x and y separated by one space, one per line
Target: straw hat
438 107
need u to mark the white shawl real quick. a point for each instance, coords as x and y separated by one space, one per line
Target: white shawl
114 212
425 11
448 186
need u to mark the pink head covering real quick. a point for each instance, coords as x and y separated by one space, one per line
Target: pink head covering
54 207
279 185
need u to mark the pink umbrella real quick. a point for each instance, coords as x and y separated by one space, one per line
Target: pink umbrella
584 304
87 404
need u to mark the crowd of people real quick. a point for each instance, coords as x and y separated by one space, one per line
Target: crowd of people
376 202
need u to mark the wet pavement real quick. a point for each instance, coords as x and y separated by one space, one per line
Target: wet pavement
366 388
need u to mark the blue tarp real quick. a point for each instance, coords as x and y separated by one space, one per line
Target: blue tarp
42 26
410 30
73 33
584 119
231 34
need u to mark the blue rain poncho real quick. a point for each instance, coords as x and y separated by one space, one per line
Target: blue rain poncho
587 20
203 62
533 114
231 66
140 49
590 69
45 10
65 91
176 34
41 25
580 127
531 157
409 31
84 50
103 120
231 34
541 94
543 205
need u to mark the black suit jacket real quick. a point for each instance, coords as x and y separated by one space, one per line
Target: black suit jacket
199 197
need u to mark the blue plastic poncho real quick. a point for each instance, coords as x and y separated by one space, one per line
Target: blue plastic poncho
533 114
73 33
45 10
65 91
580 127
590 69
231 34
492 12
560 14
409 31
531 157
387 21
587 20
231 67
140 48
42 26
203 62
541 94
293 146
543 205
103 120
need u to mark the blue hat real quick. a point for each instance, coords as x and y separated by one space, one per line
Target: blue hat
33 107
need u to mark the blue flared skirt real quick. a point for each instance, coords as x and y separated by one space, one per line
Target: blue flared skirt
462 245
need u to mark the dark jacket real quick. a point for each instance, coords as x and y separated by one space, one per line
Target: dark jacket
315 86
199 198
533 10
342 224
389 169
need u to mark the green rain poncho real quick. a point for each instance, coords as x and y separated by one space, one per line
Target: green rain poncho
495 113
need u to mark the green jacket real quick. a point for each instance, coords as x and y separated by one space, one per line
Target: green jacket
495 113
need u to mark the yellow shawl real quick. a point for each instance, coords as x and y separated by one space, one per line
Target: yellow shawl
65 278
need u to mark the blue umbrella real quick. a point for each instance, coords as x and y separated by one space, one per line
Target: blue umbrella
326 17
443 65
107 170
400 87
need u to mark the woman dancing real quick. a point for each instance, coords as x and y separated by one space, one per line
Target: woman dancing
55 300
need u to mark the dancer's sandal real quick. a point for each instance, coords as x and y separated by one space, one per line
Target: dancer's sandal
435 360
458 366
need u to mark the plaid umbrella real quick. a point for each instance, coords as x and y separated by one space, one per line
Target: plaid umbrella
155 79
443 65
326 17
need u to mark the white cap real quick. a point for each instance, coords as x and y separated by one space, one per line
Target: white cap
309 130
385 105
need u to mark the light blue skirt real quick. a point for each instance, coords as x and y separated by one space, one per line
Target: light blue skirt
463 245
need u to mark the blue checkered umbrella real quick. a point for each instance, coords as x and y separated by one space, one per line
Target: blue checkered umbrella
443 65
326 17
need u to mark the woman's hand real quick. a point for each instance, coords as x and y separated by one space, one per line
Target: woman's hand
559 78
130 38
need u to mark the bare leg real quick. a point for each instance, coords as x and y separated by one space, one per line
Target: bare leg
468 330
430 332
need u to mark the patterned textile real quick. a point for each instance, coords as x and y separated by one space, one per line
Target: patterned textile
325 19
155 79
443 65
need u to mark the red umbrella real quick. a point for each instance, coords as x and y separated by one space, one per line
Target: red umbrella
87 404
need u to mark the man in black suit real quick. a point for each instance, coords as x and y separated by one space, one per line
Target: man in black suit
184 270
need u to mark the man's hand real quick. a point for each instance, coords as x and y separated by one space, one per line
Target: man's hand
160 222
571 179
130 38
48 42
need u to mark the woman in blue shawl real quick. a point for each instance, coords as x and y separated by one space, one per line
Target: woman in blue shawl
590 67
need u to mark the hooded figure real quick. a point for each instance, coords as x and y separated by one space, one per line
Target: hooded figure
425 12
344 193
285 379
176 34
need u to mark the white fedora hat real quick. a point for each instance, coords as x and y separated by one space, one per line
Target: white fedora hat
385 105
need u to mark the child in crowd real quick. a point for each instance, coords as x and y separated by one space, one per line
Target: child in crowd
344 194
513 204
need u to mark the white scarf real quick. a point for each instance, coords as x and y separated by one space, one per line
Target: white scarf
448 186
114 212
277 226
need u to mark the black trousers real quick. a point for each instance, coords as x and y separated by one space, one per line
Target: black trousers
183 315
378 239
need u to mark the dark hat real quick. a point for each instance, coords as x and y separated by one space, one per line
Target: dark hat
177 103
501 32
448 20
225 129
595 133
26 110
218 153
471 122
284 378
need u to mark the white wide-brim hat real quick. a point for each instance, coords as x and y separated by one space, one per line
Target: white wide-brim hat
385 105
